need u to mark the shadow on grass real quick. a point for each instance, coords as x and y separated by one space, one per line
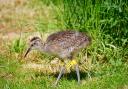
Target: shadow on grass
73 76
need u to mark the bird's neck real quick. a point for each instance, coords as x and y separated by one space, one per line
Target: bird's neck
42 47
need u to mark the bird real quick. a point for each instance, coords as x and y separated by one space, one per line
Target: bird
64 45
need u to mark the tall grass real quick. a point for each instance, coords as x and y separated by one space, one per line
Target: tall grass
114 20
109 17
106 21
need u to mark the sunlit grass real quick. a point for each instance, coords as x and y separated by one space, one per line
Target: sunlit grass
13 76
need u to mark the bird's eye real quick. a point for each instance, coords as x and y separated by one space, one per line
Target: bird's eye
33 44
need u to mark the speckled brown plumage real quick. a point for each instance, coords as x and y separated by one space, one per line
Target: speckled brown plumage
65 43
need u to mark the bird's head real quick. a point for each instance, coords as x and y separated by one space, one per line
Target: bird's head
35 43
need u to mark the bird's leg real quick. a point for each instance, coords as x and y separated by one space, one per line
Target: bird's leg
60 74
78 73
74 63
89 76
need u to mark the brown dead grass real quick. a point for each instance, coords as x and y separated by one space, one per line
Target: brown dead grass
21 15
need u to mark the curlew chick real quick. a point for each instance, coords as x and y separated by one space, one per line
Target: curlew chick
63 44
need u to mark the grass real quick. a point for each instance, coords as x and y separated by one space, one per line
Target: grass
106 22
14 77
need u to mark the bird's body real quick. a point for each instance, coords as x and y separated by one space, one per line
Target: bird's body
65 43
62 44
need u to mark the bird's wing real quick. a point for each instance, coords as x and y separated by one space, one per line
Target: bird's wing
66 42
66 39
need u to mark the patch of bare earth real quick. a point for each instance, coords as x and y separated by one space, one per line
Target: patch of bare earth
15 16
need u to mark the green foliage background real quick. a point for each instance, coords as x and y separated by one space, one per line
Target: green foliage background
110 17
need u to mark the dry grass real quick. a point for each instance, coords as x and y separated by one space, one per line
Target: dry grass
18 19
22 15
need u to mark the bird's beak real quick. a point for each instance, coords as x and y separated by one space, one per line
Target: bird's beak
28 50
